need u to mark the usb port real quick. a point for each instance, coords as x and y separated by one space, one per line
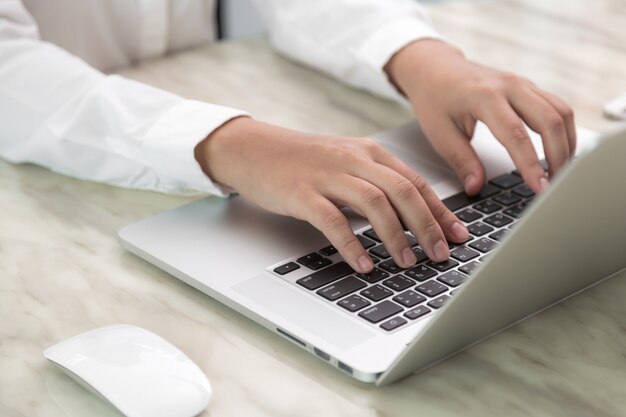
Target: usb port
321 354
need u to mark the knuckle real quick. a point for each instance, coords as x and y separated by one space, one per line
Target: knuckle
398 239
373 196
373 147
404 189
489 91
349 244
431 227
568 113
334 220
513 80
518 134
420 184
440 211
554 121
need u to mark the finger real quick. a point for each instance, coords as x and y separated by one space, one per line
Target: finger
454 146
366 198
510 130
566 113
543 118
453 229
328 219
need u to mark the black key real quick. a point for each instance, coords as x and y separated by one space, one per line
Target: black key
409 298
319 264
288 267
479 229
452 278
431 288
508 198
393 323
398 283
340 288
380 251
311 257
439 301
515 211
498 220
524 191
506 181
488 206
421 256
468 215
353 303
499 235
411 239
420 273
376 292
374 259
390 266
380 311
367 243
469 267
442 266
461 200
325 276
374 276
463 254
372 235
417 312
483 244
328 250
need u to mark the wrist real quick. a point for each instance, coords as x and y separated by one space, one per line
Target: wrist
217 152
410 67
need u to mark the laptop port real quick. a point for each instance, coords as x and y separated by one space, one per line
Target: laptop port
344 367
290 337
321 354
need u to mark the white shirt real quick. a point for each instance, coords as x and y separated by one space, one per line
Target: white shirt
59 111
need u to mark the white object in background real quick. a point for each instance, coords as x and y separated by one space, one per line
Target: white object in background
138 372
616 108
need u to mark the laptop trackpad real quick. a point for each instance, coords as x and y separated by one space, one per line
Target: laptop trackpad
301 310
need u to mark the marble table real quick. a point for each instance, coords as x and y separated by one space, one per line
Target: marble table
63 272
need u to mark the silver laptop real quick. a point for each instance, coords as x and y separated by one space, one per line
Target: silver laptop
526 253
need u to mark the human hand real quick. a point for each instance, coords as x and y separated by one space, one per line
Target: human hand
310 177
449 94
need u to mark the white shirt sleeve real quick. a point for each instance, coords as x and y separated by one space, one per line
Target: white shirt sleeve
57 111
351 40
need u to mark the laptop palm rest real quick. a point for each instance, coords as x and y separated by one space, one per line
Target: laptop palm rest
276 297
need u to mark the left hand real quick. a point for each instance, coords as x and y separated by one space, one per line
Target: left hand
450 93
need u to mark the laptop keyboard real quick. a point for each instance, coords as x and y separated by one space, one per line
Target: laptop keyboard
391 297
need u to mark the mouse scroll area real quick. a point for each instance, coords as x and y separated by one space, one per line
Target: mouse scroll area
136 371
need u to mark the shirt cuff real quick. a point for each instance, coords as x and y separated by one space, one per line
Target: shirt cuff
384 43
170 143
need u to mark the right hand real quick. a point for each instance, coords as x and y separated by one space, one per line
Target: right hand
310 177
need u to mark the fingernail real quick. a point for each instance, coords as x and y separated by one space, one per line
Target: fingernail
365 263
408 256
441 251
543 184
459 231
469 181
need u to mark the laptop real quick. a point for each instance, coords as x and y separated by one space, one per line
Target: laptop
526 253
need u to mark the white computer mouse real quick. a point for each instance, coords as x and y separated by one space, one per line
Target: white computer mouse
138 372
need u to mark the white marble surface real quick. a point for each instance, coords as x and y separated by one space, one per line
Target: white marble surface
62 271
